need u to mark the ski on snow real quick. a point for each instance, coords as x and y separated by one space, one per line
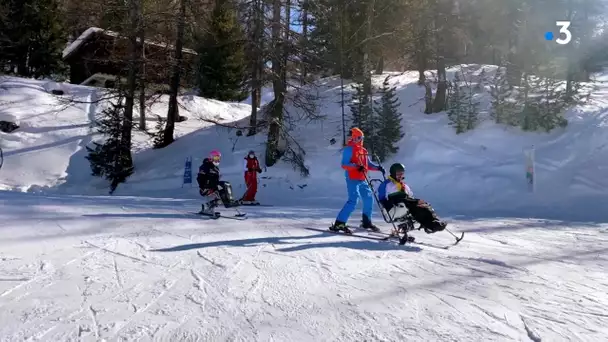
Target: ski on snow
354 234
377 236
217 215
255 205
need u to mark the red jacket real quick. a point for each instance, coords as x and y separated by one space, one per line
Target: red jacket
353 156
251 163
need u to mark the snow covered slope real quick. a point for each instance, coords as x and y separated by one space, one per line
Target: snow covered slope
76 265
142 269
47 151
485 166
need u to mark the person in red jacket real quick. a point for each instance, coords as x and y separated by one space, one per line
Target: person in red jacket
252 168
356 162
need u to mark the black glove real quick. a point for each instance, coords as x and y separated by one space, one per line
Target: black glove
361 168
259 170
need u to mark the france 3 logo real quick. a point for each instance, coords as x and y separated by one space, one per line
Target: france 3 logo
564 37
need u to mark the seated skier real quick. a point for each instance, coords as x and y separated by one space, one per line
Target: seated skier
209 184
398 200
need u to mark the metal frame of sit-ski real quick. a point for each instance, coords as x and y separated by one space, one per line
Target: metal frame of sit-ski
408 221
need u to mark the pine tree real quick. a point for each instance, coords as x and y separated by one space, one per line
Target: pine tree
222 66
463 110
112 158
544 101
32 39
389 118
504 107
456 106
362 116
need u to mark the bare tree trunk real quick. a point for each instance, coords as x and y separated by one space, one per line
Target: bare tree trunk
380 66
256 65
570 68
173 112
367 77
428 98
586 74
440 31
513 71
286 44
276 110
142 73
133 64
303 69
422 51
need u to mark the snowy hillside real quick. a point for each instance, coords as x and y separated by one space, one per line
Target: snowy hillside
79 265
486 165
47 151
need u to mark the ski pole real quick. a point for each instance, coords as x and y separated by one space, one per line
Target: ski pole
456 237
395 230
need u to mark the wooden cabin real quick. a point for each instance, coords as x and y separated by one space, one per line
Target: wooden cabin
98 57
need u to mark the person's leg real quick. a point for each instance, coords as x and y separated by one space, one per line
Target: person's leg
351 203
398 211
225 191
368 204
254 186
247 197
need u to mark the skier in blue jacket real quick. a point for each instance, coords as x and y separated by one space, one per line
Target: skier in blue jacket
356 162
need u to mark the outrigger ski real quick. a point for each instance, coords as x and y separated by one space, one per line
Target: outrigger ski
216 215
458 239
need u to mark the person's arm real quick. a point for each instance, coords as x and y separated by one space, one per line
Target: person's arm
204 168
373 166
347 155
245 165
394 195
408 191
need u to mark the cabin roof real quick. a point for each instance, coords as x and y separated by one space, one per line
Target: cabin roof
93 32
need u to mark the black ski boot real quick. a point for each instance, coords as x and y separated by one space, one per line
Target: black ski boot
340 226
209 208
405 239
435 226
367 224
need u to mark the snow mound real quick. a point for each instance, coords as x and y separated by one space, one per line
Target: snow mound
47 153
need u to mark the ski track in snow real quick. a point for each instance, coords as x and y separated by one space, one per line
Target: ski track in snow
268 279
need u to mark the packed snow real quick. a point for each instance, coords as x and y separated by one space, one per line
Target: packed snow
133 268
78 264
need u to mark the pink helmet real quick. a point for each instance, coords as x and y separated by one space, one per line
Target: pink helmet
215 156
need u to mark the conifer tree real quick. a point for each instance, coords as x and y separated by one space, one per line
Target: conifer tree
362 116
456 102
222 70
504 107
463 110
390 131
112 158
32 37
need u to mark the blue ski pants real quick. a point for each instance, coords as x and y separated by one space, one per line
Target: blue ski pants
355 189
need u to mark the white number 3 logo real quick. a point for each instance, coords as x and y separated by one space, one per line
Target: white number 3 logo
564 25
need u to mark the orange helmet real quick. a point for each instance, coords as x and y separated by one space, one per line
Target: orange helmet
356 135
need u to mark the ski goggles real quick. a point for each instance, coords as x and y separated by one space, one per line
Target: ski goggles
357 139
216 158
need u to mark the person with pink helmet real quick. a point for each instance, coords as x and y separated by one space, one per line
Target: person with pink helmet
210 185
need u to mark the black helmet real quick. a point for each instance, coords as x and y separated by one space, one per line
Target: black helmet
397 167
